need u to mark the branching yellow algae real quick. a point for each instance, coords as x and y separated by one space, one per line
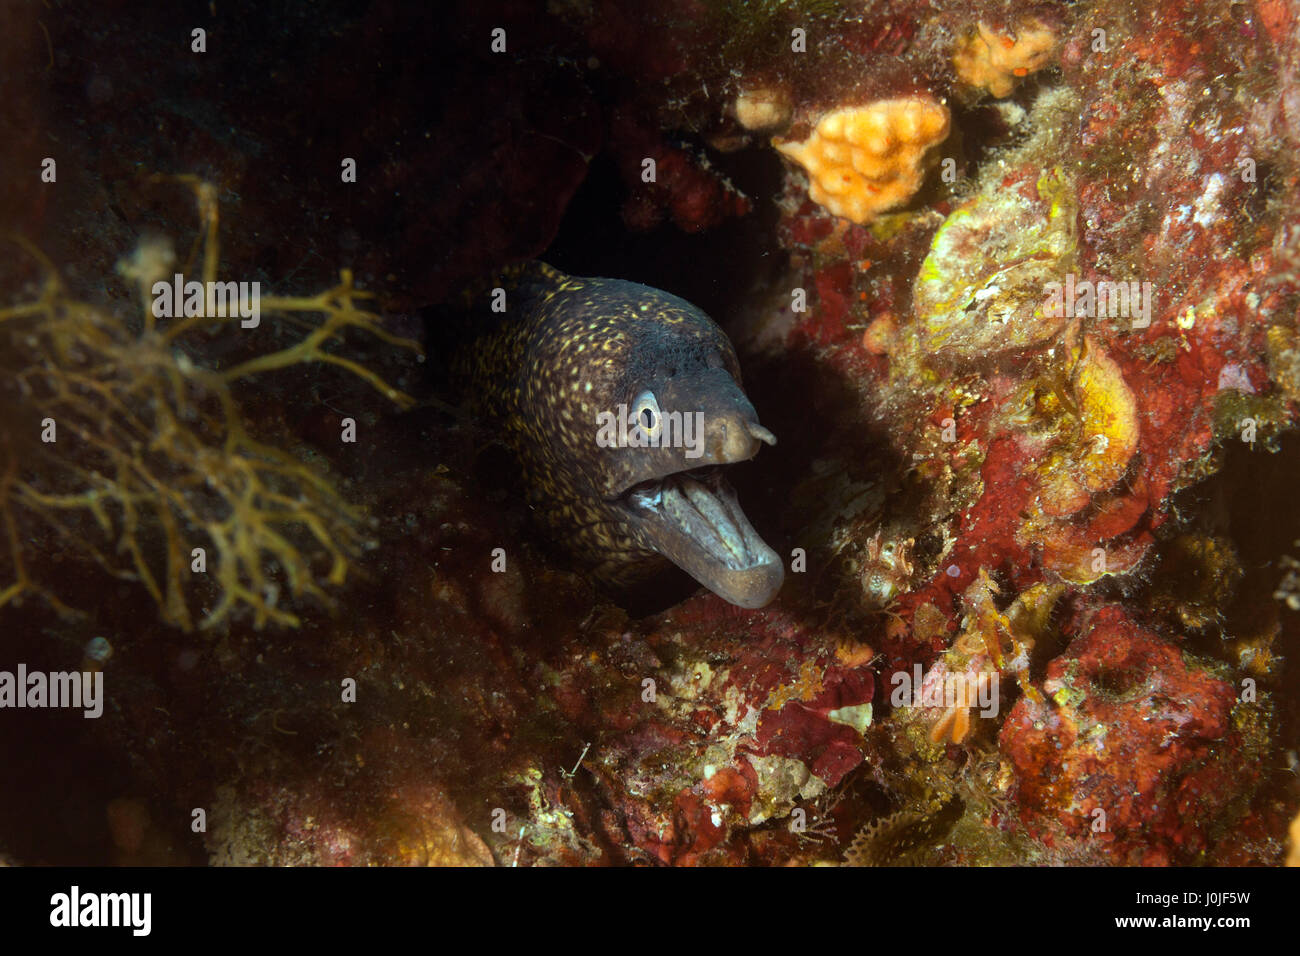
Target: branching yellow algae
138 457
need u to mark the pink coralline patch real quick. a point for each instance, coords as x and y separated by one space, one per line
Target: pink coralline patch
991 524
804 730
697 832
1133 728
1120 515
733 786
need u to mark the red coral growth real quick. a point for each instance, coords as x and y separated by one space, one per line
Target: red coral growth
1136 729
803 729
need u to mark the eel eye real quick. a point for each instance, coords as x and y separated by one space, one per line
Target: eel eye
645 415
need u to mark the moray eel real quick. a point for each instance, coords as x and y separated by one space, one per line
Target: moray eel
621 403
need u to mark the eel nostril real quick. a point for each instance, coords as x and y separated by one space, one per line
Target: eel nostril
761 433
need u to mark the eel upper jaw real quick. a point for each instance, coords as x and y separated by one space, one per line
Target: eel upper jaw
693 519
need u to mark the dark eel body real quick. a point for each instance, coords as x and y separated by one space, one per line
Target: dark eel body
566 350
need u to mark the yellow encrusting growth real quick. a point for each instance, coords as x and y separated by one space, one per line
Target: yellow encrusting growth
864 160
1293 857
994 61
1100 420
150 460
1108 419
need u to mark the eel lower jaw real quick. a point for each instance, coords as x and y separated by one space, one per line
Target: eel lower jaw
694 520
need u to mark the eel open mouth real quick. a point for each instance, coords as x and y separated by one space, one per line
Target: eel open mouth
693 519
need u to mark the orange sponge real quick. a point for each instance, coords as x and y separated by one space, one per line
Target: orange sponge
863 160
993 61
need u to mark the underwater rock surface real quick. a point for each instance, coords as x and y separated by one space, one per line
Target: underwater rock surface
1037 407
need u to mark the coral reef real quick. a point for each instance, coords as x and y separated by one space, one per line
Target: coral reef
1141 746
1017 284
1055 378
